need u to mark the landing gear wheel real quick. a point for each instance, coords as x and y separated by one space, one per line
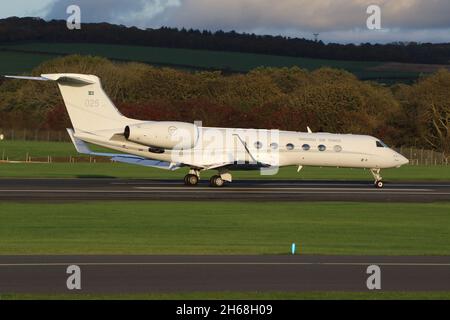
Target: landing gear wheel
379 184
191 180
216 181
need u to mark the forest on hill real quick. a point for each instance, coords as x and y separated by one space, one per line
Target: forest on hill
13 30
326 99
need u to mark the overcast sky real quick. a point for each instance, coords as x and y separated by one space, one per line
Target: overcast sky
336 20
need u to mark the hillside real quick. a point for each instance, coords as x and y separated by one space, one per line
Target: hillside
14 30
27 42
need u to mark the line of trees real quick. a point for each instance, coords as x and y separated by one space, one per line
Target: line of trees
35 29
281 98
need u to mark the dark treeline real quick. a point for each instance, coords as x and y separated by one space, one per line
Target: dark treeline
326 99
34 29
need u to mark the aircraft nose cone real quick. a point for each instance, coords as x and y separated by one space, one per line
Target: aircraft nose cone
404 161
400 160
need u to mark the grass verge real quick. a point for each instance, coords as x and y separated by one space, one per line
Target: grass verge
224 228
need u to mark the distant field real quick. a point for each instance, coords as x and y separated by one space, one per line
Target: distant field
189 59
117 227
18 63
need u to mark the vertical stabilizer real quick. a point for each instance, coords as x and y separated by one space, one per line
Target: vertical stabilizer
89 108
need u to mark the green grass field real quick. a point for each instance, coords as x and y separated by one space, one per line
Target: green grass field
31 55
224 228
197 58
19 63
18 150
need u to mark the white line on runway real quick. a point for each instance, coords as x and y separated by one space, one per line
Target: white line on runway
58 264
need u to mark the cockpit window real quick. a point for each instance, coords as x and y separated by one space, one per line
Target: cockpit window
381 144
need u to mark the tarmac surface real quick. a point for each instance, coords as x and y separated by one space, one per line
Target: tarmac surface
166 274
250 190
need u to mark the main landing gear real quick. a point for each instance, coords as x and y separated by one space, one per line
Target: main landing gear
378 178
216 181
191 180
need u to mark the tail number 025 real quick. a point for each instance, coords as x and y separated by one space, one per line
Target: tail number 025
92 103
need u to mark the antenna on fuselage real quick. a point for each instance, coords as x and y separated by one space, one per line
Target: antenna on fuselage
309 130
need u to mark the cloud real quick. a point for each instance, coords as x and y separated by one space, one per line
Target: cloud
404 19
131 13
318 15
24 8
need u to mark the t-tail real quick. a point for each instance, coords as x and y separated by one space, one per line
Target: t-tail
89 108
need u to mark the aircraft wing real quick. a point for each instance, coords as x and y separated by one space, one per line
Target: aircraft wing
146 162
83 148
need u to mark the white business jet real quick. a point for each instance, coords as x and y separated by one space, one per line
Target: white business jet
171 145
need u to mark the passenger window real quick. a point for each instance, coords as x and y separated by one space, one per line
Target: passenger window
306 147
290 146
274 145
258 145
337 148
322 147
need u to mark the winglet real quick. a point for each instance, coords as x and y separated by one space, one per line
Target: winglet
245 147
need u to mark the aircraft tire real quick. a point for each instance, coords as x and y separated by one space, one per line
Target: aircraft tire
191 180
216 181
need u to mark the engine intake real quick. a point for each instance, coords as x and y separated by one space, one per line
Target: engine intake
165 134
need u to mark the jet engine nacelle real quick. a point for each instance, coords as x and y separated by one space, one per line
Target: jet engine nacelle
164 134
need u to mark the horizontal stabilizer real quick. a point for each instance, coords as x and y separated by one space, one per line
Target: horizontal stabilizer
83 148
27 78
67 79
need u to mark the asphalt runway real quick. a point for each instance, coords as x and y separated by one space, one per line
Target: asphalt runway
166 274
251 190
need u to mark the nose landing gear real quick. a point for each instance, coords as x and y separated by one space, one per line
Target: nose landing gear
379 184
